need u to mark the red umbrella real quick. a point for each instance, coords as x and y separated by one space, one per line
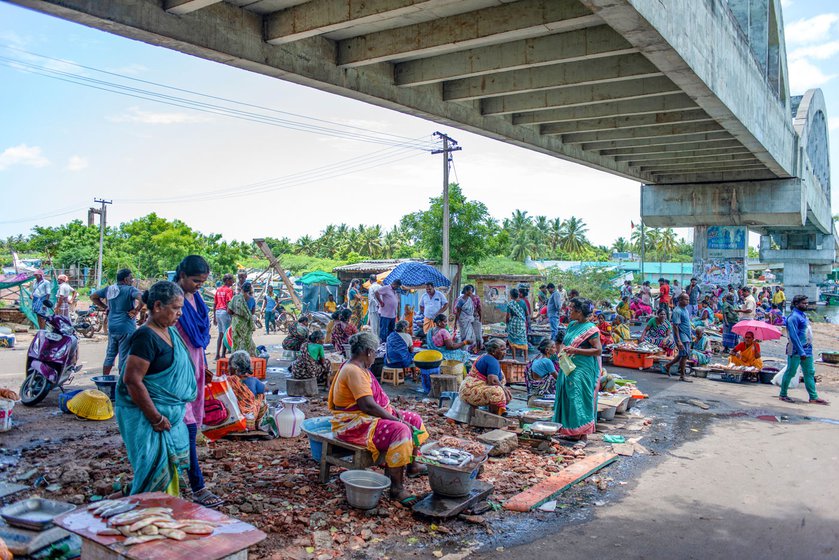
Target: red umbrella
761 330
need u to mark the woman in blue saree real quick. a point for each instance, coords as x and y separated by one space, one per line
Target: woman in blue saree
398 347
575 406
156 384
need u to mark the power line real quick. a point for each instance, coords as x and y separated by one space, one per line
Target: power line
43 216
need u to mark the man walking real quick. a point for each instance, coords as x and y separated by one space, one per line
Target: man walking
122 302
682 335
431 304
555 302
269 304
373 305
387 300
40 295
800 352
66 295
748 311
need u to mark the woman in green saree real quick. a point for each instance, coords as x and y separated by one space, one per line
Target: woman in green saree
241 324
575 406
156 384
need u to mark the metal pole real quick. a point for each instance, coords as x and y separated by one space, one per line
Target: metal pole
102 224
643 250
446 206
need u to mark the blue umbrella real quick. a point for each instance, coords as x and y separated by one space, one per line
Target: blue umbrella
414 274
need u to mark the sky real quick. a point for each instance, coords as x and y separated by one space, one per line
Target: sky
62 144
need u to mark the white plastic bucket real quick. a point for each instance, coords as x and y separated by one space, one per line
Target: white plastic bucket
6 407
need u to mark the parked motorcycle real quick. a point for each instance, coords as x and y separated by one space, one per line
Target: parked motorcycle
50 360
83 324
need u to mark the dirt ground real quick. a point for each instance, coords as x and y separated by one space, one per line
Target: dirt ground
705 479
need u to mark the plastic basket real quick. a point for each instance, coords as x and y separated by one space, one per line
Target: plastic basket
630 359
513 371
258 366
6 407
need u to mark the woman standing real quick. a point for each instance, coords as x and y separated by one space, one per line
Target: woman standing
342 331
194 328
355 303
517 324
467 316
241 323
576 397
156 385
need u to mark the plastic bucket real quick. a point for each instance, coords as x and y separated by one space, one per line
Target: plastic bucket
364 488
321 425
6 406
107 384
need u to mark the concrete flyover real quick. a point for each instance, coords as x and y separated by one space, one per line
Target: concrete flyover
690 98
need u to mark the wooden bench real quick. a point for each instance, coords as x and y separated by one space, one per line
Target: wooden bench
341 454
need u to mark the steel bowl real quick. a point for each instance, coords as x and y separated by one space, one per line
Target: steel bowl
830 357
364 488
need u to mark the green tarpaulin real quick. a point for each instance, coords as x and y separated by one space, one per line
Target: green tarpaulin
320 277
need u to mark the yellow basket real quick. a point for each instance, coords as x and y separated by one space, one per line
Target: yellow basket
91 405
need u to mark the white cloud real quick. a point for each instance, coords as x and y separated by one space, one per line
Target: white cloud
136 115
810 30
819 52
803 75
22 155
833 123
76 163
130 69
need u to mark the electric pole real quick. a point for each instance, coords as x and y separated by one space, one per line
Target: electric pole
103 220
449 145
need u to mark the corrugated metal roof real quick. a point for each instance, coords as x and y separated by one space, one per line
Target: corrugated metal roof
375 266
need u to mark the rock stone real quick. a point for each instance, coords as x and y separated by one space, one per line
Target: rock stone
76 499
103 487
75 475
502 442
322 540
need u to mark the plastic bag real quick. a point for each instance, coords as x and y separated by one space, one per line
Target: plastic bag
780 376
235 422
566 364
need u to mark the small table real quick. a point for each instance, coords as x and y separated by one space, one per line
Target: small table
230 540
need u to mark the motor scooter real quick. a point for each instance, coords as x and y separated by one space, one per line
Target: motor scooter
50 360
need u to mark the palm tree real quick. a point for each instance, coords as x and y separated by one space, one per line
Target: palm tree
621 245
392 243
519 220
667 242
522 244
554 234
573 237
371 240
304 245
540 234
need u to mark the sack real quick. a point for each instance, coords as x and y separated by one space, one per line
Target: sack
220 390
214 412
780 376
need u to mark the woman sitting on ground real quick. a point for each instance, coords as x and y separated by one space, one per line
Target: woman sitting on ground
624 310
363 416
605 328
249 391
700 348
747 353
541 373
399 346
484 386
620 330
703 318
312 363
297 335
639 308
342 331
658 332
440 339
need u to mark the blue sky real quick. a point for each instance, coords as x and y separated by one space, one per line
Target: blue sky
61 144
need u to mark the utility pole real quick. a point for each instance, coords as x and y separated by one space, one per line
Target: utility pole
103 220
449 145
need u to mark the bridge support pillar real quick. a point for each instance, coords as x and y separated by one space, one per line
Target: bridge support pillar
719 255
807 257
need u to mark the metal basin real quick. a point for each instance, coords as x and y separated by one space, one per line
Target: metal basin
831 357
450 482
364 488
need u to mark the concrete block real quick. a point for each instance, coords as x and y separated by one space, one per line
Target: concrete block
302 387
502 442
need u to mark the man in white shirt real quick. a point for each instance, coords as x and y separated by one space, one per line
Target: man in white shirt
431 304
749 304
40 294
66 294
373 305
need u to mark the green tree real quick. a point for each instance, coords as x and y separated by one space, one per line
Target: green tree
621 245
470 228
573 235
523 244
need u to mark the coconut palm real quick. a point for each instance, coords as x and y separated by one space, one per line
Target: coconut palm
573 237
371 240
304 245
667 242
523 244
621 245
554 234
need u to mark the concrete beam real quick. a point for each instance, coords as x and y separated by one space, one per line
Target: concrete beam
685 167
517 20
711 176
712 155
706 137
613 123
644 106
684 155
182 7
723 146
641 132
317 17
606 70
579 95
760 203
582 44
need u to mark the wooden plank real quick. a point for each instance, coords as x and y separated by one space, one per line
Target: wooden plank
542 492
266 250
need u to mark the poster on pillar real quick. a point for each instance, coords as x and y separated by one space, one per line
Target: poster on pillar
727 238
722 271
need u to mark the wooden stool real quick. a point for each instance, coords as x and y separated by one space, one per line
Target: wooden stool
393 375
342 454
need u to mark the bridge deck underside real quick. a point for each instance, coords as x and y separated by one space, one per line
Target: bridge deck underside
549 75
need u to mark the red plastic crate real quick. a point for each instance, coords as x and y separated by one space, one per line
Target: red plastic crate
258 365
632 360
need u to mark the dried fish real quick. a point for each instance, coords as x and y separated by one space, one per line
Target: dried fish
142 539
198 530
147 521
149 530
109 532
133 516
173 534
102 505
117 509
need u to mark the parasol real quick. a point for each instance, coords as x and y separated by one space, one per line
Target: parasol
416 274
761 330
